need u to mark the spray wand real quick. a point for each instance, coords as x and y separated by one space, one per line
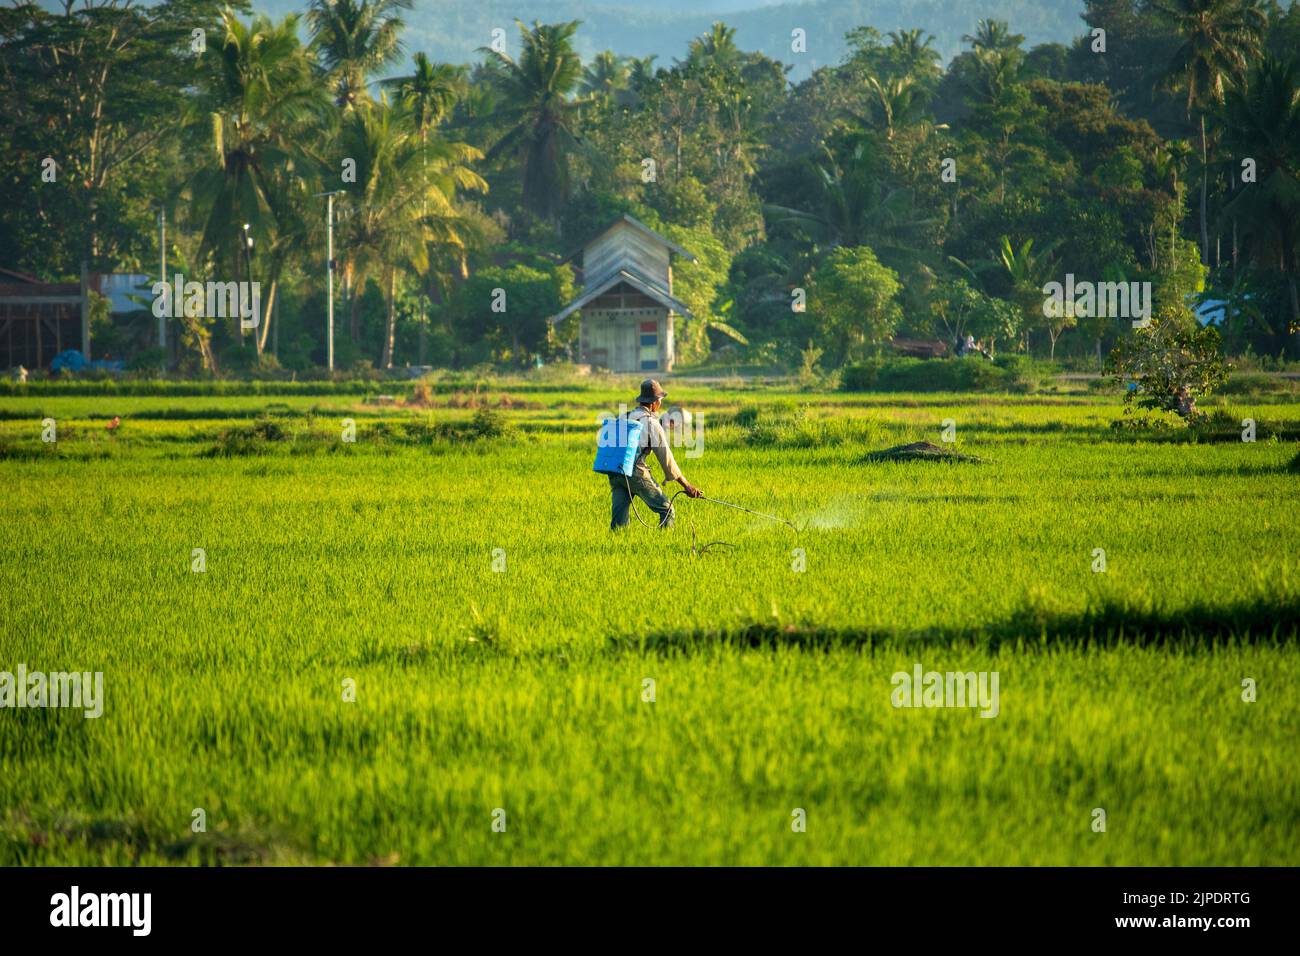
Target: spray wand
759 514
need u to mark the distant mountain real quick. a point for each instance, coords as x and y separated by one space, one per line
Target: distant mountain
453 30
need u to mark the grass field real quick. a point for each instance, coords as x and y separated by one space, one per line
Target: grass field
524 689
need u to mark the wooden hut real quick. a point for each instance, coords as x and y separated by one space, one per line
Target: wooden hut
627 301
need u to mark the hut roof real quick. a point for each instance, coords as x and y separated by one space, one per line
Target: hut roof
639 282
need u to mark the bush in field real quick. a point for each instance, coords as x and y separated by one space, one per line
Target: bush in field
1166 366
1007 373
488 423
1023 373
248 439
786 424
763 426
861 376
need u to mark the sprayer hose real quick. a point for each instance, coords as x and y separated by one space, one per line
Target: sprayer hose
696 548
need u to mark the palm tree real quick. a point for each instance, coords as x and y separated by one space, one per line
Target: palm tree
354 39
1028 271
542 120
993 35
995 72
641 73
1219 37
717 46
262 99
403 204
430 93
1261 119
428 97
898 102
606 77
913 56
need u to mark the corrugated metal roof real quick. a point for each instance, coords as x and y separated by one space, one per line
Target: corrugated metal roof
640 283
629 251
638 224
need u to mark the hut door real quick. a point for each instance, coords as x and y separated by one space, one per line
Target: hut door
626 348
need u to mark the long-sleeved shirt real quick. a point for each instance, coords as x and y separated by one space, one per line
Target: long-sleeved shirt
653 438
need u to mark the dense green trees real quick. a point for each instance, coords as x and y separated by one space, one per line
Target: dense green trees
854 303
887 194
1219 38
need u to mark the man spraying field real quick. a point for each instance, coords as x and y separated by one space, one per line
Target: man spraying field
626 443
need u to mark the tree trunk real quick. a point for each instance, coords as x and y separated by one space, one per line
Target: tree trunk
356 317
1205 174
266 317
390 325
1173 229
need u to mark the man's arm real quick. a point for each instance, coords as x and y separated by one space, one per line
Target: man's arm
659 442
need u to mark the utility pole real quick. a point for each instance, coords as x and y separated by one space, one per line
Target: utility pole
329 270
162 275
329 267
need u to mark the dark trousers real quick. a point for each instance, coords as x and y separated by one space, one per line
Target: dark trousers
622 489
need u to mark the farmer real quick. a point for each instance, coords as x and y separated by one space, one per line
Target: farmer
640 483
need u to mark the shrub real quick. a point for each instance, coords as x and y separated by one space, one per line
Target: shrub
148 360
488 423
862 376
1258 383
787 425
967 374
248 439
1024 373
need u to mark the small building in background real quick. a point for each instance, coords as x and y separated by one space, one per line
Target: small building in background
43 321
39 320
627 301
129 294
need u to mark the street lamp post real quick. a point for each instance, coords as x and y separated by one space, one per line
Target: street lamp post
248 270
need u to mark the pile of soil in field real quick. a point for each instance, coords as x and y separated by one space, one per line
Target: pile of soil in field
921 451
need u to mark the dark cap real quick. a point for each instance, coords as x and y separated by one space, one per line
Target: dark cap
650 392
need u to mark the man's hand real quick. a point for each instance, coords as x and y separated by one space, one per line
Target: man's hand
690 489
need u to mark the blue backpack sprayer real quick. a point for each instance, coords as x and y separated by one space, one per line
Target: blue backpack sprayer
617 447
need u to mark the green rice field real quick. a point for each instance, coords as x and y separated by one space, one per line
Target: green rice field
425 647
